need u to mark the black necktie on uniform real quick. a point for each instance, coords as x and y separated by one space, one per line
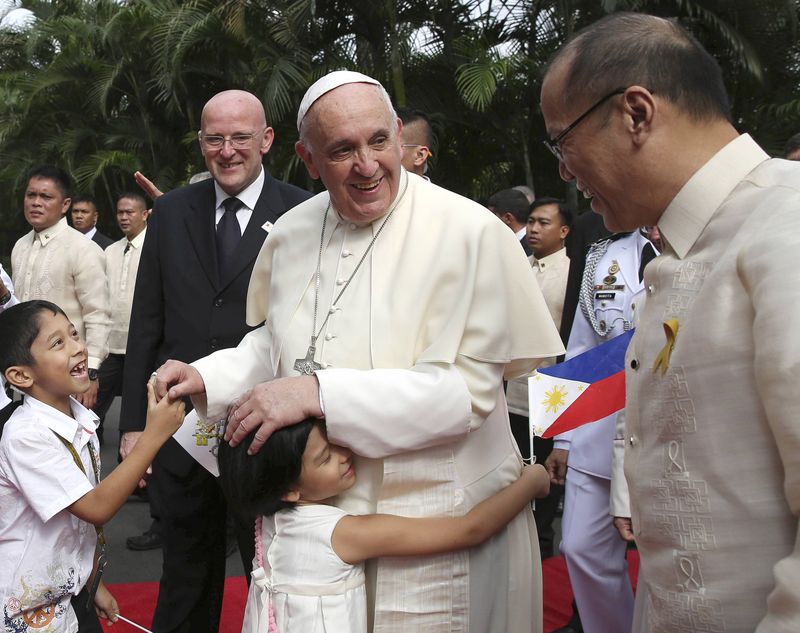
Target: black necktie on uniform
228 234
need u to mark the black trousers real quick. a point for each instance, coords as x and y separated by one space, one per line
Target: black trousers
109 377
88 622
192 511
545 512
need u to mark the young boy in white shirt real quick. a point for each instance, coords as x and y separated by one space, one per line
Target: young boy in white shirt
52 504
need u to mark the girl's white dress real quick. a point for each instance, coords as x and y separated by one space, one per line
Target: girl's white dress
311 589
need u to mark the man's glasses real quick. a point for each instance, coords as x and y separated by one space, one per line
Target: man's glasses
554 144
237 141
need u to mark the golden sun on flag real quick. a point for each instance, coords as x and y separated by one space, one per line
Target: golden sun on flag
555 398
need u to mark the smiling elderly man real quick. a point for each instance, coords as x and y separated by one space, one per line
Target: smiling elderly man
640 121
191 288
406 332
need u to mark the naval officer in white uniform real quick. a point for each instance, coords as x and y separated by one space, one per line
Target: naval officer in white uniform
594 552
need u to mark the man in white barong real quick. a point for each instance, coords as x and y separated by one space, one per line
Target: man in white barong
638 117
400 333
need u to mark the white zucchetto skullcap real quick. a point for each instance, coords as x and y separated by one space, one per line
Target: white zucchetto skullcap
326 84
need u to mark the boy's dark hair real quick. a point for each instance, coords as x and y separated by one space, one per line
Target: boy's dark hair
56 174
255 484
19 327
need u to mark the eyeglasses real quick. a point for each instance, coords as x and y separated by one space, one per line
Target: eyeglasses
237 141
554 144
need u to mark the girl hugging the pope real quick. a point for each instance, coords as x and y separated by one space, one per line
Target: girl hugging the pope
309 569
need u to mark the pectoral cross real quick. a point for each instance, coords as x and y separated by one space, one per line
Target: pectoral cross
307 366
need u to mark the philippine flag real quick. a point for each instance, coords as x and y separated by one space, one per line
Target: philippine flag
583 389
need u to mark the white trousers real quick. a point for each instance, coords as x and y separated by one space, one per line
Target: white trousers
595 555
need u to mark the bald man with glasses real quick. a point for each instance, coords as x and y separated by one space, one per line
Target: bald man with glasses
202 241
640 120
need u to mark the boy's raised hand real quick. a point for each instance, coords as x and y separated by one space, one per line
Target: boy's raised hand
165 416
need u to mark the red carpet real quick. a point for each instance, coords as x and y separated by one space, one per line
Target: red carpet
137 600
557 594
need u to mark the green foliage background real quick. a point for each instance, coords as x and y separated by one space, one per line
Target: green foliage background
105 87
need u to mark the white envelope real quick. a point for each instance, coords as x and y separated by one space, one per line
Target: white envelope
200 440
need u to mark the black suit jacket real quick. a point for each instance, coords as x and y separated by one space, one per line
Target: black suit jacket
103 241
525 246
586 229
181 308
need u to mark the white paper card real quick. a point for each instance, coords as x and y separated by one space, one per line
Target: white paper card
200 440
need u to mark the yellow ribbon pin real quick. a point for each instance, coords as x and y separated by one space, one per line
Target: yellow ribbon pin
662 360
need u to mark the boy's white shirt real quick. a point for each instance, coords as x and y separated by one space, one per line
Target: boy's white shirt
43 547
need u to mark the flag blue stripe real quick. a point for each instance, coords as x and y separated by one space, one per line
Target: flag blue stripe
597 363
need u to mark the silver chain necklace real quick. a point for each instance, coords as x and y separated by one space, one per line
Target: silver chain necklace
308 365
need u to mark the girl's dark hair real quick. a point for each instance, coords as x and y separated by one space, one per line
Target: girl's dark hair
255 484
19 327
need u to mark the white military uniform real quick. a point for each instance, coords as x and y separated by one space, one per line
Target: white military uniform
415 352
594 552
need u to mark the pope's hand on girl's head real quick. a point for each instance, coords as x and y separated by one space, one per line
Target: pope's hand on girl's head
270 406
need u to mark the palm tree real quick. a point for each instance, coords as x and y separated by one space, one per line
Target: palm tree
104 87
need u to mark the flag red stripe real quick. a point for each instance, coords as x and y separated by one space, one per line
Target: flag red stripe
600 399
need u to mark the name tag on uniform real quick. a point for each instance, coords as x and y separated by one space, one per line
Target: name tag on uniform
604 296
609 287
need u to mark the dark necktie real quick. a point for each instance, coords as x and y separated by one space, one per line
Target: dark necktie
127 248
648 255
228 234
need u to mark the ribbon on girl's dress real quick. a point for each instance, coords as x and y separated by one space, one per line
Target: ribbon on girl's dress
260 589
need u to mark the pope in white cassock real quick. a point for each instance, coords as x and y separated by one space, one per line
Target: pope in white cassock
395 309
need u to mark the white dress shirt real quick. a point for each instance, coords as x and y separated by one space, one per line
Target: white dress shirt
122 263
46 552
551 273
248 197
